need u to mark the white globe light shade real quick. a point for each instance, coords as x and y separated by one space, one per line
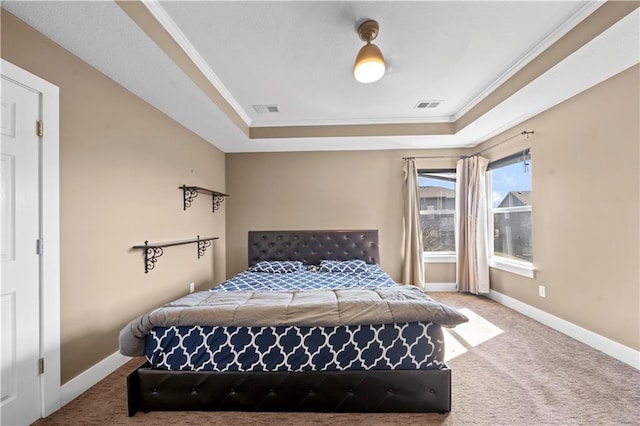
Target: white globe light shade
369 66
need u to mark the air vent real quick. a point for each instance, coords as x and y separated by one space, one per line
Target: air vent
427 104
266 109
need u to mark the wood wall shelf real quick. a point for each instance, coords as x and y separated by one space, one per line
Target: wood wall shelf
191 192
152 251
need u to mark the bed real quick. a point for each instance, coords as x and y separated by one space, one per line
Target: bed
313 324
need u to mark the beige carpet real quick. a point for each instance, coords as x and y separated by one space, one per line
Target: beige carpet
507 370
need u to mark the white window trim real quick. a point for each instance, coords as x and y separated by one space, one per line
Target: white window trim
517 267
439 257
524 269
517 209
437 212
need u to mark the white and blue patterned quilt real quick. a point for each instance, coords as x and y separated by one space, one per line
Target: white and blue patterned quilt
307 279
412 345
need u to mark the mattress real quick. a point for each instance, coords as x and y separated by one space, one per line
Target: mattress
402 346
397 346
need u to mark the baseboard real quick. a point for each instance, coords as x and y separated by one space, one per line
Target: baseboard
440 287
613 349
82 382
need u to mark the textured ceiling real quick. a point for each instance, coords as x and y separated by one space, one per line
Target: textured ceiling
299 56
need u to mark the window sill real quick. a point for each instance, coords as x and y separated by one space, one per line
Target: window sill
438 258
519 268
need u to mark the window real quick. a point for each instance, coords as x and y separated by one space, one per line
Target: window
509 183
436 190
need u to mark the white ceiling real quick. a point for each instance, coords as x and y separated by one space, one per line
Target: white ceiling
299 56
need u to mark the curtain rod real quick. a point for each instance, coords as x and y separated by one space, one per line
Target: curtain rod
524 132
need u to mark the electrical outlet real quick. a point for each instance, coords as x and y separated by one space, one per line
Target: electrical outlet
192 287
542 291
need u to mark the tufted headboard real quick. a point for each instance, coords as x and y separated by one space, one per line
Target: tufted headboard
311 247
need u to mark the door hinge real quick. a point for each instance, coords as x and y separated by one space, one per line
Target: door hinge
40 130
41 365
39 247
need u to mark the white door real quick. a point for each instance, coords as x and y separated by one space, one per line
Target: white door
20 293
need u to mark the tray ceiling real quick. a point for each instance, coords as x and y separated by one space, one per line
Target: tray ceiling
216 66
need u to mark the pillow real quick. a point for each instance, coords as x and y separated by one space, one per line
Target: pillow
277 266
348 266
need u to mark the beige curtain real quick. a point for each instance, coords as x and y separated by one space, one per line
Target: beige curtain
472 268
412 261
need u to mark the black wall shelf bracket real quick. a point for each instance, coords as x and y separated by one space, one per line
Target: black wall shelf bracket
151 255
202 246
217 200
152 251
191 192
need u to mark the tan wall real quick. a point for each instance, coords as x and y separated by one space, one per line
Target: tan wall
585 197
121 162
314 190
321 190
441 273
586 187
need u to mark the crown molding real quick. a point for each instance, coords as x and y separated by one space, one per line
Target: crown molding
353 130
354 122
174 31
579 14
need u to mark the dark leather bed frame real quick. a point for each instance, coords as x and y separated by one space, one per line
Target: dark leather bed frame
312 391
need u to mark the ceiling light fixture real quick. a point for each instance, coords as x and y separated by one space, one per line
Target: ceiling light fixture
369 66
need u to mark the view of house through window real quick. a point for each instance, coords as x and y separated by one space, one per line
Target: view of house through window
509 181
436 190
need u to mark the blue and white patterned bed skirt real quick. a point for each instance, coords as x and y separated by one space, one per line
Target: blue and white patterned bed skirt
403 346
